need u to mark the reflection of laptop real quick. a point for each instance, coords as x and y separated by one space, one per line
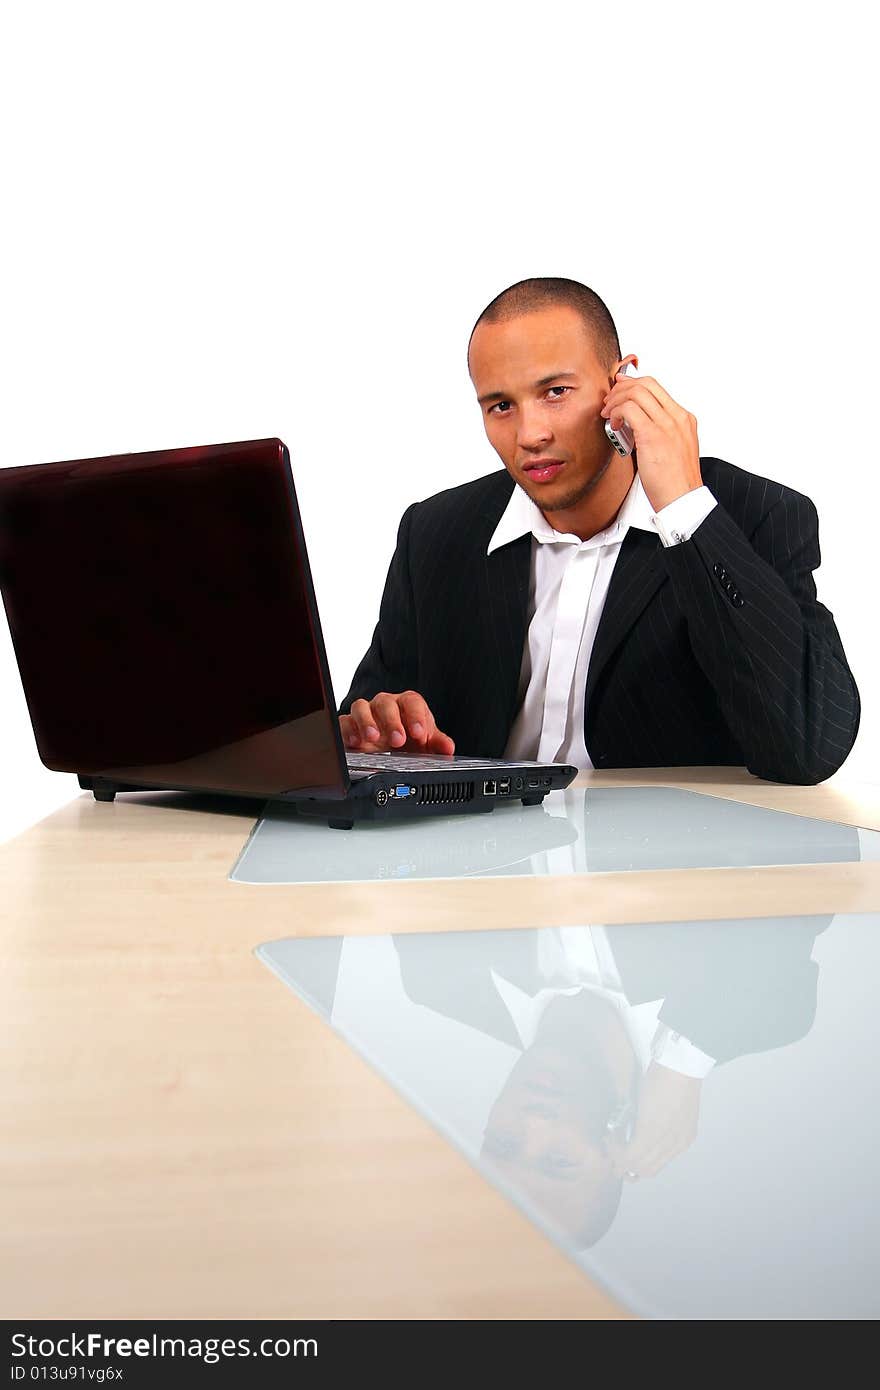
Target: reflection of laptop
167 635
505 845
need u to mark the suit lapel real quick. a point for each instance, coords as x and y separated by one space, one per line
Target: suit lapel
637 576
507 579
506 573
451 973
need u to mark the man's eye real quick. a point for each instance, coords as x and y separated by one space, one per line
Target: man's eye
560 388
500 1145
496 406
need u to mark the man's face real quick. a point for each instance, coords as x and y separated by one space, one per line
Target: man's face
539 1136
541 387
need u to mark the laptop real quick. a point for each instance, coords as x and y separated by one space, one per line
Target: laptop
164 621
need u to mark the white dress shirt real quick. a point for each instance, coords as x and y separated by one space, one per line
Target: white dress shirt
568 586
576 958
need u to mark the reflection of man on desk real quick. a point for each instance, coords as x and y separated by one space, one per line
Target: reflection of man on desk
656 609
617 1027
601 1092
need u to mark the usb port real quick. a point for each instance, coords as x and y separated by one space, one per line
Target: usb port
534 782
402 791
504 787
489 788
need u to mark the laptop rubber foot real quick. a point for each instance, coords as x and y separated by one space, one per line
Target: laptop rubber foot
104 793
532 800
341 824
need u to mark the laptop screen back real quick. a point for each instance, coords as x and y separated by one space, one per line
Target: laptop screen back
164 622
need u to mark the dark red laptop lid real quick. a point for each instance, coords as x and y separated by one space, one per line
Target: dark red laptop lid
164 620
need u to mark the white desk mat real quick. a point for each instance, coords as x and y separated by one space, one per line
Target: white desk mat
581 830
762 1199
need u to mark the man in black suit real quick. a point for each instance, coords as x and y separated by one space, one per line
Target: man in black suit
649 610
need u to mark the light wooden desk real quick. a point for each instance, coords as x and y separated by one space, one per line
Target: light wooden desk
183 1138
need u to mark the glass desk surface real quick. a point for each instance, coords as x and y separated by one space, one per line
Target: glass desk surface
685 1108
581 830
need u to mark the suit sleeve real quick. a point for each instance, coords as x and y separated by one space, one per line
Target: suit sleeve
730 987
391 662
769 649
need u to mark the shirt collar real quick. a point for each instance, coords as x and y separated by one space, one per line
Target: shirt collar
521 516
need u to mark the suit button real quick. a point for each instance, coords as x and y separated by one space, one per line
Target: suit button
716 570
737 600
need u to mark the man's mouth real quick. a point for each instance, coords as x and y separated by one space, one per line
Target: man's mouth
543 470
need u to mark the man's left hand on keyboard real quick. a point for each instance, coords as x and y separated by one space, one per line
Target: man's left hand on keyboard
402 723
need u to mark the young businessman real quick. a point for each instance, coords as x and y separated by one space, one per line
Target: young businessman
580 606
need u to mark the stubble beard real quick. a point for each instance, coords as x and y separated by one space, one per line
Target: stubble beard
569 499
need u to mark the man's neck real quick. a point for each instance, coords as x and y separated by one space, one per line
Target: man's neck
596 511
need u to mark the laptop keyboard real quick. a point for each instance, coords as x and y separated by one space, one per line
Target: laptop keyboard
425 762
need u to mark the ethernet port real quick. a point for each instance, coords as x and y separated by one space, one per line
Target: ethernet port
489 788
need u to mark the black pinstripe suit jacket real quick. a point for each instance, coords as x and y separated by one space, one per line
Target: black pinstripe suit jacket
712 652
729 987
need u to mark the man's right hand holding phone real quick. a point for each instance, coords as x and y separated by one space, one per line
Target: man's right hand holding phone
400 723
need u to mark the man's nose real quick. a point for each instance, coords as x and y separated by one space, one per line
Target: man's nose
538 1134
534 429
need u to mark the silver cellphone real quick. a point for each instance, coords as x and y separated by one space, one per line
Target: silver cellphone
623 438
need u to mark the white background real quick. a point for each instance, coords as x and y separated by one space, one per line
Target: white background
231 221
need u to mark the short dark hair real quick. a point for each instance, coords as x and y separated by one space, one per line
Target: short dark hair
527 296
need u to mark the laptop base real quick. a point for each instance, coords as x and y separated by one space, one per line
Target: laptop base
367 801
344 815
